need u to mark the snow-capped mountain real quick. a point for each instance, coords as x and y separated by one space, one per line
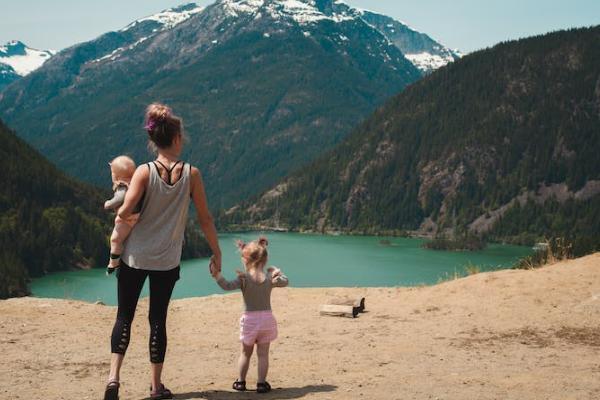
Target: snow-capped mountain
265 86
23 59
424 52
17 60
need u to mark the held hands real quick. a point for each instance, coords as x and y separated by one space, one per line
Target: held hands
215 266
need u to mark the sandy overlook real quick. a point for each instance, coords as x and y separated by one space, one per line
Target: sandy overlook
500 335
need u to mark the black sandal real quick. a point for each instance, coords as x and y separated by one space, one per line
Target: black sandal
163 393
240 386
263 387
112 391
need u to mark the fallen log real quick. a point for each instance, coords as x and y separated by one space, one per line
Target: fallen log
337 310
359 302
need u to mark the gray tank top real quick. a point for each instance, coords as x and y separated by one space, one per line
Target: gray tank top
156 240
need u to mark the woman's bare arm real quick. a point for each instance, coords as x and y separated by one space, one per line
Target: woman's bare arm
205 219
136 190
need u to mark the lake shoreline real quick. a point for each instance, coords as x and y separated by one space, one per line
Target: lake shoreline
393 234
309 261
414 234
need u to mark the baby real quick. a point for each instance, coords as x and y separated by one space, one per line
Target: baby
257 325
121 169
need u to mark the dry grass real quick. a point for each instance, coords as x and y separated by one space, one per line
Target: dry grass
472 269
550 252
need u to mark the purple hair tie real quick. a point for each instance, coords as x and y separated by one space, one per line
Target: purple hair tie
150 125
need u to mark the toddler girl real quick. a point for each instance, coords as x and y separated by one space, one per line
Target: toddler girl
257 324
121 170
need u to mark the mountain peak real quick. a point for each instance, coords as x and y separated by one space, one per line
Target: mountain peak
420 49
21 58
13 47
303 12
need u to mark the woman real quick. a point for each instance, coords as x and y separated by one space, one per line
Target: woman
153 248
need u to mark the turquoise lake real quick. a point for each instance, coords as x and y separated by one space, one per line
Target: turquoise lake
308 261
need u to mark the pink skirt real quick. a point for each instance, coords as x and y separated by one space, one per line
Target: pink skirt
258 327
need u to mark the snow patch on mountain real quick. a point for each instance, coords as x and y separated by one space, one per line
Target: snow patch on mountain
426 61
22 59
168 19
171 17
303 12
235 7
117 52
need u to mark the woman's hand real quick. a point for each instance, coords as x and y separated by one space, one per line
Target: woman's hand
215 266
216 262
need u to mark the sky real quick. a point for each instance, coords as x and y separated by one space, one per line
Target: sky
466 25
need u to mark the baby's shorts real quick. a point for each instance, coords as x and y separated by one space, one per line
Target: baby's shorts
258 327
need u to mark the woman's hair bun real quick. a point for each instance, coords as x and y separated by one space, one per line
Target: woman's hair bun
162 126
262 241
158 112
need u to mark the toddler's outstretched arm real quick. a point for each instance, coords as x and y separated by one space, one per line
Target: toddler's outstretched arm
222 282
278 279
228 285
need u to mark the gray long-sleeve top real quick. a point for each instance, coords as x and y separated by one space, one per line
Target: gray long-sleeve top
257 296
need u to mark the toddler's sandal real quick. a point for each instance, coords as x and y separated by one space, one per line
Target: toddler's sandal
240 386
263 387
162 393
112 391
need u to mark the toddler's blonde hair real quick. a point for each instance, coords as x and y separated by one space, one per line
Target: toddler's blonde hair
254 253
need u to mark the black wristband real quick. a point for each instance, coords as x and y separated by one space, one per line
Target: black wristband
114 256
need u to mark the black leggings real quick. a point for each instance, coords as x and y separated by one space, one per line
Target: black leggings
131 281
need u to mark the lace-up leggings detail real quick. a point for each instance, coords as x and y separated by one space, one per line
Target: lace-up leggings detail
130 285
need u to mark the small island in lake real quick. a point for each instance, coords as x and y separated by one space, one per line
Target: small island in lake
459 243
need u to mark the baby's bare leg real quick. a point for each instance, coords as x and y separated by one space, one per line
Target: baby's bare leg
120 232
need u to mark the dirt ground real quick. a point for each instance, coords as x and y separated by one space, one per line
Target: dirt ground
500 335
